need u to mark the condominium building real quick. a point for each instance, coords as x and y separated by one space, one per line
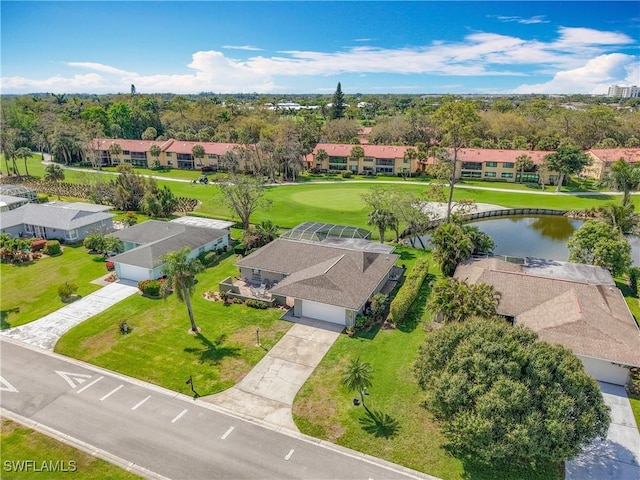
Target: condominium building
624 92
377 159
603 158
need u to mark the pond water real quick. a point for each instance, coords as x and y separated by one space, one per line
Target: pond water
542 236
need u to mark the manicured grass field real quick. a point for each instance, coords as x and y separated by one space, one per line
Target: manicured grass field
21 443
30 290
159 348
399 430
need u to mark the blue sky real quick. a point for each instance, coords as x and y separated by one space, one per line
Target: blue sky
307 47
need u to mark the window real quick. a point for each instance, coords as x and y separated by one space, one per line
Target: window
201 250
386 162
491 164
528 178
507 175
212 156
471 166
384 169
471 174
508 165
337 160
126 152
170 163
168 154
185 156
28 228
368 159
71 234
489 174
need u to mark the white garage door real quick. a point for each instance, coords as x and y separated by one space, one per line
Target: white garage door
605 371
131 272
322 311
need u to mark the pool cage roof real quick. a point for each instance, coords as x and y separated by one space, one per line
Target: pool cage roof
15 190
317 232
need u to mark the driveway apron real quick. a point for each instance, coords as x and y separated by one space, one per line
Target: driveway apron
45 332
618 456
268 390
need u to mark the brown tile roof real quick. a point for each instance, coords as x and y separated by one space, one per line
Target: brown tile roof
210 148
484 155
129 145
332 275
610 155
591 319
344 150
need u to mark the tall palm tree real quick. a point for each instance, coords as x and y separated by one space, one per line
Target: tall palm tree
623 177
155 151
54 173
383 219
357 377
181 271
115 150
24 153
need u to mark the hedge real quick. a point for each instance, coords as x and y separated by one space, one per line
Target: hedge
150 288
52 248
259 304
408 293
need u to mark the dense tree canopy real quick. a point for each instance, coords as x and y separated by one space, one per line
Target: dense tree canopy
598 243
455 300
504 397
567 160
454 243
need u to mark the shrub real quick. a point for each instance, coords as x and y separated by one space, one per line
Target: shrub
237 301
409 291
259 304
150 288
43 198
347 174
124 327
220 250
239 249
67 289
52 248
634 274
209 258
110 266
37 245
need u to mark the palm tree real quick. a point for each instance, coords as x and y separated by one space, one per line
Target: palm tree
523 162
357 377
621 217
198 153
623 177
155 151
180 270
321 156
25 154
383 219
54 173
115 150
451 246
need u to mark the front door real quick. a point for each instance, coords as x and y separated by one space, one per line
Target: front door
39 231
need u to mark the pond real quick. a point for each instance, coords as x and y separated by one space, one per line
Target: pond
542 236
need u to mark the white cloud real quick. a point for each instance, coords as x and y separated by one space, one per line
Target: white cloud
524 21
242 47
579 58
594 77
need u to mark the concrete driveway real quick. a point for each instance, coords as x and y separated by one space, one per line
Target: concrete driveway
45 332
618 456
268 390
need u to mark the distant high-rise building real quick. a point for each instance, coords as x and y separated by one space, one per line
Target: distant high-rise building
624 92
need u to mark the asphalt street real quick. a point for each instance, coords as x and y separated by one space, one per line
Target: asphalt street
163 432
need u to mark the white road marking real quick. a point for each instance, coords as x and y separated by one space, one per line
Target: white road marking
90 384
74 379
290 454
179 416
111 393
226 434
6 386
140 402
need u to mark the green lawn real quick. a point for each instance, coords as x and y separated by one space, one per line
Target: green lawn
160 350
30 291
401 430
20 443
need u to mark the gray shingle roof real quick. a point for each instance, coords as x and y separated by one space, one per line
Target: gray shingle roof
159 238
320 273
592 319
56 215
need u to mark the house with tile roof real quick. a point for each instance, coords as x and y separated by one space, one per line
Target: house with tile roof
57 220
146 243
603 159
578 306
328 278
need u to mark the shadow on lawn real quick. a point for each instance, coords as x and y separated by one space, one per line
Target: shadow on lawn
379 424
474 470
213 352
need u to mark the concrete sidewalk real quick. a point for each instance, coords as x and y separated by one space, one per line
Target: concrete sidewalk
618 456
45 332
268 391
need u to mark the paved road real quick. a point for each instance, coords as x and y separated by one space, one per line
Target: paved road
157 432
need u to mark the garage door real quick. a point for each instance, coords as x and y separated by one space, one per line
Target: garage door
131 272
322 311
605 371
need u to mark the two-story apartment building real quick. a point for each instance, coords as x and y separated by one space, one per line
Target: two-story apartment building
602 159
500 165
378 159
